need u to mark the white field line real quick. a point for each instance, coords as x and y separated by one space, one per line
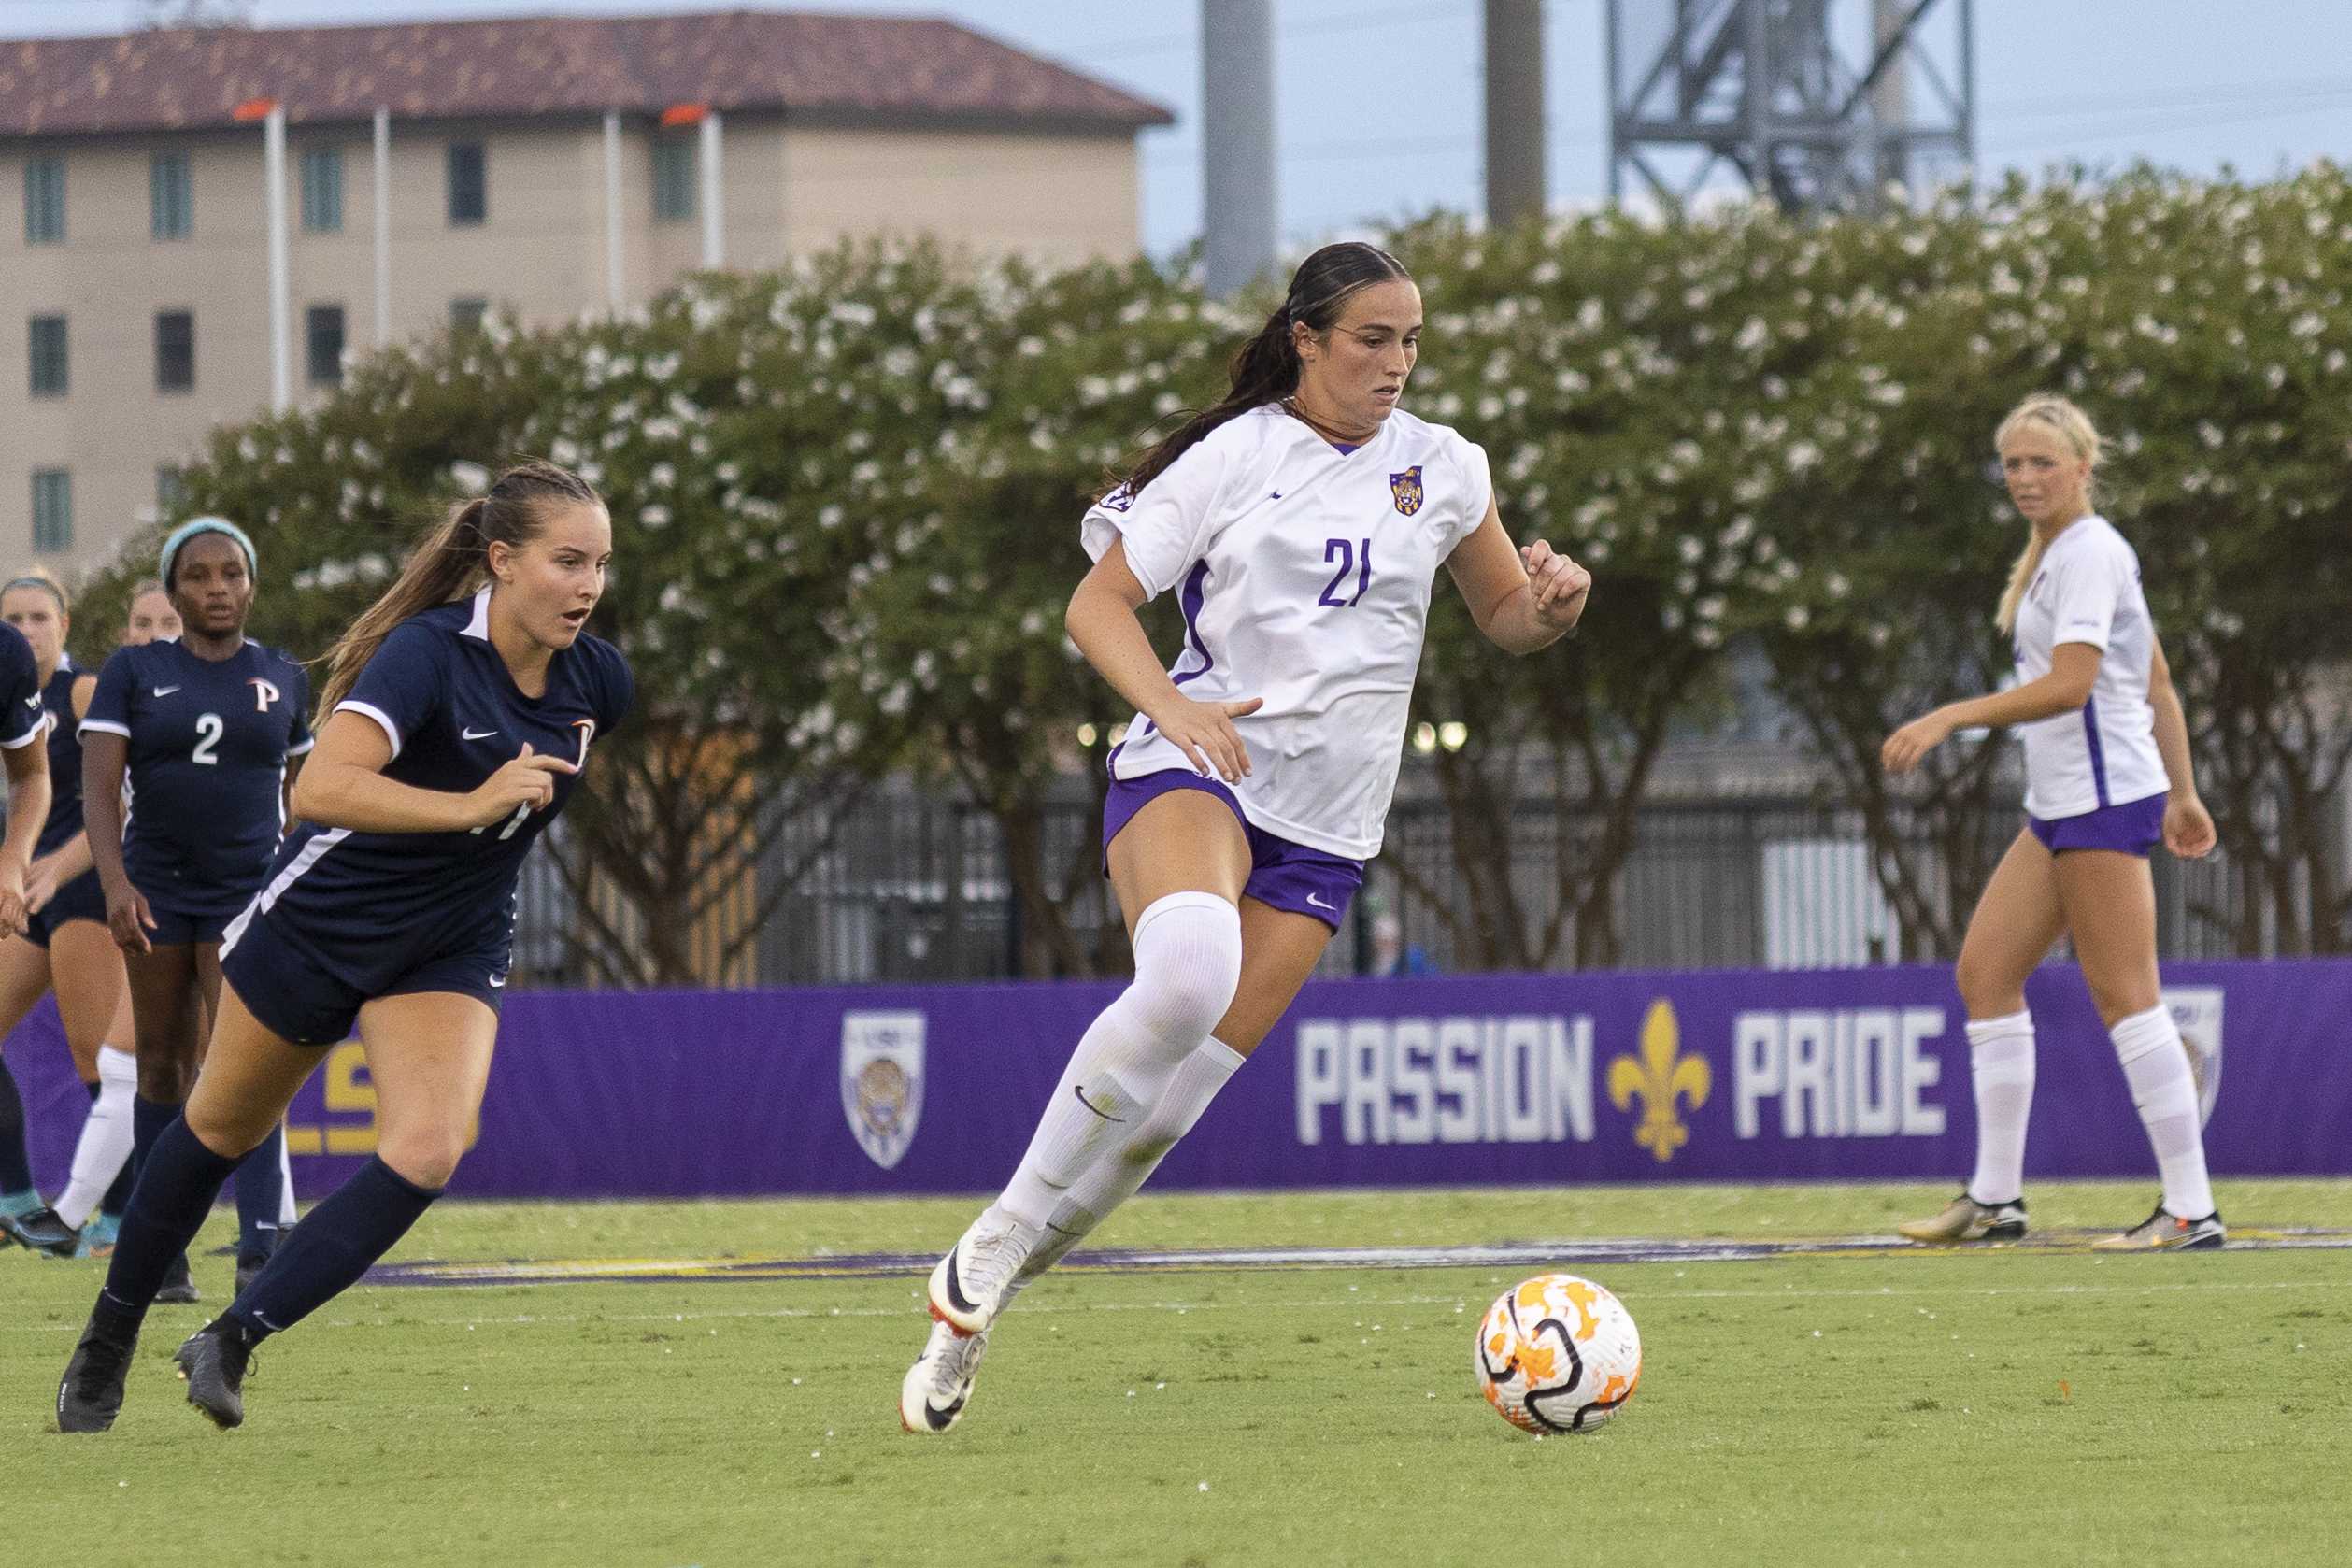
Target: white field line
1353 1301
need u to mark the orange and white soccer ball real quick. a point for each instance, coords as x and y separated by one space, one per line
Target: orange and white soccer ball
1557 1353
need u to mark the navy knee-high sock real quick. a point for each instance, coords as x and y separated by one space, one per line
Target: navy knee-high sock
149 1117
325 1254
261 1188
16 1168
174 1191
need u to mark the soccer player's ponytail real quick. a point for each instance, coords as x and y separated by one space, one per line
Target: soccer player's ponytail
1265 369
452 564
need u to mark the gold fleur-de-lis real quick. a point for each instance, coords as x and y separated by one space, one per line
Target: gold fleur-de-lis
1662 1076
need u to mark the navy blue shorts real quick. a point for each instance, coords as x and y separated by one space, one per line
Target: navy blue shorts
2132 827
189 912
81 899
312 996
1282 874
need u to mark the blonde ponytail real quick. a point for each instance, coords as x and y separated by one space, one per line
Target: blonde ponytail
2071 425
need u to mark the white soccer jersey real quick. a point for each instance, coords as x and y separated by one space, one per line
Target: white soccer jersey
2086 590
1304 574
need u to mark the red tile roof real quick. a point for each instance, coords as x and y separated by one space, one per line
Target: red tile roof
821 66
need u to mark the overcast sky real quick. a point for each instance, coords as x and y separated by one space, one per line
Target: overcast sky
1379 99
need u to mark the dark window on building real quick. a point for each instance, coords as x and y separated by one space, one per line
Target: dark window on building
52 509
174 350
466 315
49 373
171 491
322 190
469 183
44 201
323 332
171 197
673 178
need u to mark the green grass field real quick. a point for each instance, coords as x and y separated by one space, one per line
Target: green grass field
2028 1406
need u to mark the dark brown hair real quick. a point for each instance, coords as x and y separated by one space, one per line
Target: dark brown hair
454 562
1267 368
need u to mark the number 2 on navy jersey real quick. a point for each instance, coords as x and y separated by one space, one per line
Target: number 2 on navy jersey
1348 554
208 731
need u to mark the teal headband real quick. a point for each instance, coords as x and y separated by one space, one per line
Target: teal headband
194 526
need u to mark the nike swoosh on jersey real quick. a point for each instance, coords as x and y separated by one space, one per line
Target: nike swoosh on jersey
1320 905
483 736
497 981
166 690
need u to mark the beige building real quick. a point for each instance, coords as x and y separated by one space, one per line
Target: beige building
212 221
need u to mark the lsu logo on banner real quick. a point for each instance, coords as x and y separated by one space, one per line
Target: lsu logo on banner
883 1082
2197 1014
1406 488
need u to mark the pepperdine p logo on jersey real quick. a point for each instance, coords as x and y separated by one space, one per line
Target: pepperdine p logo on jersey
265 693
883 1082
1406 488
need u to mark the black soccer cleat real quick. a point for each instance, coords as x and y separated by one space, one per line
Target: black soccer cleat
42 1230
180 1285
91 1395
214 1361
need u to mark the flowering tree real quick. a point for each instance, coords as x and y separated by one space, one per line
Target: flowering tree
952 638
733 429
1632 386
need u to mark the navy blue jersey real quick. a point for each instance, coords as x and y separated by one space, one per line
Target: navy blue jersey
453 716
21 713
64 759
210 740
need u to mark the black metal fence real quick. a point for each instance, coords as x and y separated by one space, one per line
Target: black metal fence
905 888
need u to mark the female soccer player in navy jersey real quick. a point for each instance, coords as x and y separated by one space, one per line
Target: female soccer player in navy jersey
209 729
65 944
2108 777
23 720
1301 522
460 709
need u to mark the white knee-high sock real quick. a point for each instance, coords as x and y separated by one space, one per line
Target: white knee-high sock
2001 1062
2156 1065
286 1212
106 1136
1187 960
1113 1179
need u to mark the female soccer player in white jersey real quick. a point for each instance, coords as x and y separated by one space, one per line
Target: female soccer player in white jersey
459 710
1301 522
2107 775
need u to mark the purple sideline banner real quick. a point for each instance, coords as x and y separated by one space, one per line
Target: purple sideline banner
1723 1076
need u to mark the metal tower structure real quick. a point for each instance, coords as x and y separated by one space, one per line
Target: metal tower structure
1820 104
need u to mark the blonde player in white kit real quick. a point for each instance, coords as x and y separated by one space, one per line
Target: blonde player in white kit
1301 523
2107 775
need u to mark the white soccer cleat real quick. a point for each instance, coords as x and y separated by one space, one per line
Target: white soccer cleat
940 1384
969 1285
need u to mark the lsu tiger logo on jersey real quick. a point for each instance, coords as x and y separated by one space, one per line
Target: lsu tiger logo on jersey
1406 488
265 693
